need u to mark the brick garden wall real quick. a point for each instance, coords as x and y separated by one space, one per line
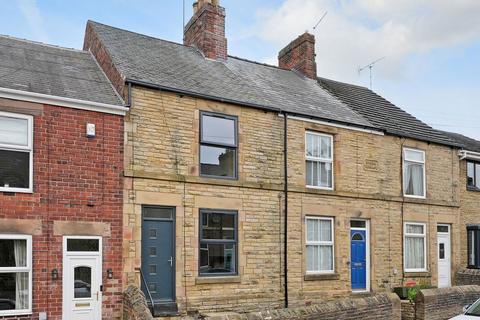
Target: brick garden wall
444 303
379 307
467 277
77 189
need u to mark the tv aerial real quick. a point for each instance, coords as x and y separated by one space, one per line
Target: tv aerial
323 16
370 67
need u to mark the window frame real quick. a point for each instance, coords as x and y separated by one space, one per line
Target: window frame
415 235
28 268
201 241
473 245
423 163
320 243
320 160
475 178
218 145
18 148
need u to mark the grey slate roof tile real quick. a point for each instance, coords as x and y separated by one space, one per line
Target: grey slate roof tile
167 64
383 114
467 143
45 69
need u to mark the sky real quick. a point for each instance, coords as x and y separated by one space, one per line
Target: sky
430 48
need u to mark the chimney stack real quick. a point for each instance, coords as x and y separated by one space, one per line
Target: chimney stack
299 55
206 29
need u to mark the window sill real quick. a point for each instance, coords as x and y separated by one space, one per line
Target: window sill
15 190
415 197
13 313
473 189
319 188
221 279
321 276
419 274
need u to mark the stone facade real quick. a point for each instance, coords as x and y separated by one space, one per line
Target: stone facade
470 210
467 277
77 190
162 168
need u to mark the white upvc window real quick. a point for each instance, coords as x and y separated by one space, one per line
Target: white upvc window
319 160
414 173
16 152
15 274
415 247
320 250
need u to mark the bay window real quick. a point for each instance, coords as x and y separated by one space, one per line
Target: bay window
15 274
415 247
319 245
414 173
319 160
16 136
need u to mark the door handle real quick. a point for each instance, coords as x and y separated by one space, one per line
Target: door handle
97 295
171 261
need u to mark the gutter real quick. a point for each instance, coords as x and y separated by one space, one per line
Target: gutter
292 115
62 101
470 155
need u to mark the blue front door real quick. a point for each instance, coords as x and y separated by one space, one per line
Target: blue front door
158 253
359 259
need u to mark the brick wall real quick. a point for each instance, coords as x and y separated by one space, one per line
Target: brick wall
467 276
444 303
135 305
382 306
76 179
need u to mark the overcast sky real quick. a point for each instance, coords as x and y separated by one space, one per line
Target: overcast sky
431 47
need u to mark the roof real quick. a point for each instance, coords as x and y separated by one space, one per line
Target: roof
383 114
183 68
45 69
176 67
467 143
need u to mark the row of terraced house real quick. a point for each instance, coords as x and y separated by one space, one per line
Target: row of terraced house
214 183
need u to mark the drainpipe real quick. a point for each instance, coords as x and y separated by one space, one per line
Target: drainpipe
285 191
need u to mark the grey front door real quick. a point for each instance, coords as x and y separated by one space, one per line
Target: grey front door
158 253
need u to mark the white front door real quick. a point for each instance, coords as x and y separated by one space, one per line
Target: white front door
443 252
82 278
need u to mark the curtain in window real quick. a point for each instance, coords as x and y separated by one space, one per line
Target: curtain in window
414 179
414 253
319 257
21 278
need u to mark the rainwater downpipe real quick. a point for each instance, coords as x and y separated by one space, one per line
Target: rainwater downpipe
285 190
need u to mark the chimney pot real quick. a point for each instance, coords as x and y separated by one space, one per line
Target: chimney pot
299 55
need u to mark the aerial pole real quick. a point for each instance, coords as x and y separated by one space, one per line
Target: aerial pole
370 67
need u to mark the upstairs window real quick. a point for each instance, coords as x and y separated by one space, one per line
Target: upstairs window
473 175
218 145
319 160
413 173
16 136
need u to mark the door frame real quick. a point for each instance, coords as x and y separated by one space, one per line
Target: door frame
174 252
66 254
367 252
449 234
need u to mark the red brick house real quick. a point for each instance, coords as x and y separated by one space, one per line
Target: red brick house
61 162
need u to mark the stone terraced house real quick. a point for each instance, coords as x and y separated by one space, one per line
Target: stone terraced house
61 162
249 185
